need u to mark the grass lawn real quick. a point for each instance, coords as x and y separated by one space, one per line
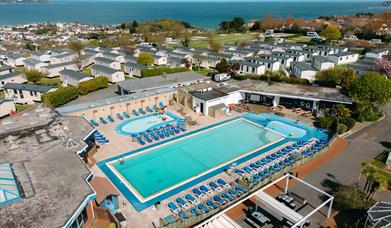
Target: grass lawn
88 70
298 39
21 108
50 81
231 38
2 95
202 71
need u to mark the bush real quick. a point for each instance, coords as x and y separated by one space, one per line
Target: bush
92 85
160 70
325 122
145 58
348 121
351 197
342 128
239 77
61 96
34 76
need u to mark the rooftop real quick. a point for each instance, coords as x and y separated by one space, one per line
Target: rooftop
303 66
161 81
209 95
74 74
28 87
103 69
11 75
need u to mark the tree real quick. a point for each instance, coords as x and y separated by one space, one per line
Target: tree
371 87
76 46
61 96
145 58
351 197
347 78
330 77
34 76
222 66
383 66
235 25
214 44
331 32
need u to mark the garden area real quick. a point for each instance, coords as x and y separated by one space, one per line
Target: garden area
223 39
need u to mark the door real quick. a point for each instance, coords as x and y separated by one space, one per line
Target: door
202 107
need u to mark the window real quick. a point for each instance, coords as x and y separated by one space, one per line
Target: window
31 93
21 94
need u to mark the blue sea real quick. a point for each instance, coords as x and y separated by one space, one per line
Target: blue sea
201 14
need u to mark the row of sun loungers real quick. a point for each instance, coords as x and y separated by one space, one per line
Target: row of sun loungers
203 199
158 133
100 138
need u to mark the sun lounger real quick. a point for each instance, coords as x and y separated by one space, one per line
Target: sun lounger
103 121
197 192
202 208
135 112
210 204
175 129
93 122
218 200
147 138
154 136
226 197
181 128
140 110
231 192
215 187
181 202
182 215
149 109
194 211
126 115
191 199
249 170
162 105
205 190
240 189
174 208
160 134
256 177
156 108
239 172
170 131
139 140
165 132
110 118
119 116
223 183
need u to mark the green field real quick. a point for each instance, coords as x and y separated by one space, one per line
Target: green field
231 38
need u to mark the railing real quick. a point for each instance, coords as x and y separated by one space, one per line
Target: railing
249 186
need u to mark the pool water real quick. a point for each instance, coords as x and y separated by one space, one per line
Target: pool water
152 171
143 123
286 129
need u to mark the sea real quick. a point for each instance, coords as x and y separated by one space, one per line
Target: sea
200 14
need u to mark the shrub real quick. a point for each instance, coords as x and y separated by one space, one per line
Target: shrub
351 197
61 96
239 77
348 121
34 76
160 70
325 122
92 85
342 128
145 58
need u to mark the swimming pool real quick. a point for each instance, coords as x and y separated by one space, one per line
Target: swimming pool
143 123
286 129
159 169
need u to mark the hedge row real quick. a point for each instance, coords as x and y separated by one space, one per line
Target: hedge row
61 96
92 85
273 78
161 70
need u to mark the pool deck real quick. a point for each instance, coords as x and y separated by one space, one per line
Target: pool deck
120 144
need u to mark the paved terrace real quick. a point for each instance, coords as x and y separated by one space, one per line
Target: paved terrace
302 91
52 177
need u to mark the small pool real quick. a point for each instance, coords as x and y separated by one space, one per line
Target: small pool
286 129
143 123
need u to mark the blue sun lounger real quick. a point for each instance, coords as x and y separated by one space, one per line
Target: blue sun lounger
215 187
239 172
154 136
227 197
240 189
218 200
174 208
147 138
210 204
165 132
223 183
110 118
181 202
202 208
194 211
93 122
103 121
168 129
149 109
160 134
197 192
162 105
175 129
126 115
156 108
182 215
139 140
231 192
205 190
140 110
191 199
119 116
256 177
135 112
181 128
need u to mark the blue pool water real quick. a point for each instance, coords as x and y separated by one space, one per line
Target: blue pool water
143 123
286 129
173 163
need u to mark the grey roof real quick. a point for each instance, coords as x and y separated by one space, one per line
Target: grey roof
209 95
322 59
344 54
39 53
31 61
74 74
161 81
86 56
303 66
110 54
104 69
247 63
28 87
135 65
5 67
5 100
14 56
11 75
104 60
53 66
64 55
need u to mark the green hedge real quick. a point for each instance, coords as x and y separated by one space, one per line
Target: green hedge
92 85
61 96
275 77
160 70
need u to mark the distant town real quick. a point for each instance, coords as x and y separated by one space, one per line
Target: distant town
272 122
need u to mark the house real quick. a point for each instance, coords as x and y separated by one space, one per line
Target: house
113 75
15 60
175 62
63 58
107 63
54 70
131 59
344 58
303 70
6 107
284 60
13 77
5 69
322 63
34 64
270 64
115 57
377 53
295 56
26 93
41 56
206 61
252 68
134 69
73 78
160 60
86 60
